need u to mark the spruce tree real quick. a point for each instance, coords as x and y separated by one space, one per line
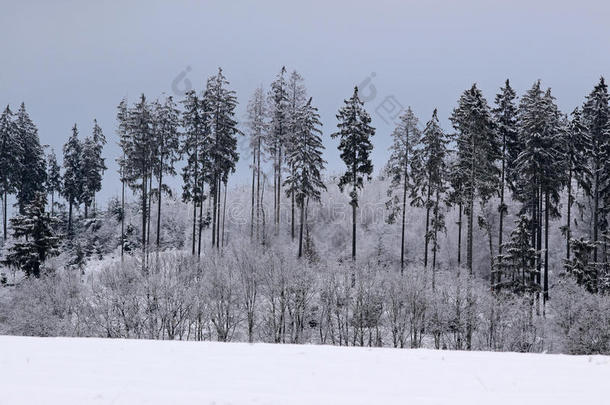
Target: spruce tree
355 145
517 262
10 152
122 130
406 137
478 150
296 97
54 180
277 137
72 187
167 150
35 240
429 174
31 170
596 118
505 115
574 143
257 128
580 266
304 181
222 103
196 147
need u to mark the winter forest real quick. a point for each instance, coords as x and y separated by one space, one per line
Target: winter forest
492 234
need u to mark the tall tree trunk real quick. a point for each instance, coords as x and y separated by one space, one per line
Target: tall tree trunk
354 203
427 235
86 210
279 188
224 212
301 230
214 190
435 245
595 224
150 195
200 222
258 187
159 190
144 218
252 205
459 247
70 218
569 215
52 202
496 277
545 295
404 211
4 219
218 190
122 212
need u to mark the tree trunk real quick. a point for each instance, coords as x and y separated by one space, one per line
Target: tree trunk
214 190
435 245
404 211
459 249
52 202
545 295
144 219
258 187
70 218
224 212
86 210
427 236
301 230
595 225
569 215
4 219
159 203
122 213
496 277
200 222
252 205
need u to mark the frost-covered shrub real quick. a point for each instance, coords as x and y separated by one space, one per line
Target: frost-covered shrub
582 319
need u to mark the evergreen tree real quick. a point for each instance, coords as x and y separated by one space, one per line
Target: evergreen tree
54 183
223 151
10 151
278 136
296 96
72 187
123 121
257 128
596 118
574 144
354 135
517 262
32 170
505 115
196 146
139 153
406 137
305 160
167 145
429 183
539 167
35 240
478 150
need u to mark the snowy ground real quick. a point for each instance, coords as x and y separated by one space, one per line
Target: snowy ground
97 371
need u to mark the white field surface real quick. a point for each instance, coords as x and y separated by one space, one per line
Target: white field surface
103 371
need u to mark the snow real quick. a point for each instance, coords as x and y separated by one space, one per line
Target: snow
103 371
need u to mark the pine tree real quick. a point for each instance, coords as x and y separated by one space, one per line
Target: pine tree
10 151
139 153
196 146
122 128
223 151
35 240
99 140
167 149
406 137
596 118
72 187
539 168
277 137
478 150
354 135
32 170
304 181
580 266
54 183
257 128
574 143
429 172
296 97
517 262
505 115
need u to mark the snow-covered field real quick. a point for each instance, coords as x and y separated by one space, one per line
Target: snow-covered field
98 371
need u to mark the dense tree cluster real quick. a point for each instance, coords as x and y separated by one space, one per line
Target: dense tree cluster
520 159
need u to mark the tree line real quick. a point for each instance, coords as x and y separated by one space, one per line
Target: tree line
525 148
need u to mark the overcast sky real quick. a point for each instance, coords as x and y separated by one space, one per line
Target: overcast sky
73 61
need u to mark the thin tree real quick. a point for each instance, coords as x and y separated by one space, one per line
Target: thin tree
257 128
54 182
406 137
10 151
355 145
304 181
73 180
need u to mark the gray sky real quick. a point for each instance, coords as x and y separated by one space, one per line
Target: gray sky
73 61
